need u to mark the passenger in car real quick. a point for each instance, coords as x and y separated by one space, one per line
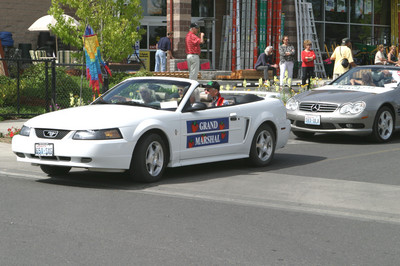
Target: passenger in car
366 80
212 89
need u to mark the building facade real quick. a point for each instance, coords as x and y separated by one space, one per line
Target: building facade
368 22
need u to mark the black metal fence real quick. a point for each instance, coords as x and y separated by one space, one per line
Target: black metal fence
32 87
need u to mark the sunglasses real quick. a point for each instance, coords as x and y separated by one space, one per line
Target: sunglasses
208 89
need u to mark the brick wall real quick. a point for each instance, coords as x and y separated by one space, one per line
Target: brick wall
18 15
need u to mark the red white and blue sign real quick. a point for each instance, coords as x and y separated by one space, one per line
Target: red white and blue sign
213 132
206 125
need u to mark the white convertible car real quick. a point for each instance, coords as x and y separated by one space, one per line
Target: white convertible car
144 125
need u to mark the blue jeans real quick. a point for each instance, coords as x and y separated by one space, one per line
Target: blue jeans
161 61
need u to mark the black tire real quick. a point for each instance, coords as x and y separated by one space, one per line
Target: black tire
383 127
149 159
303 134
263 146
53 170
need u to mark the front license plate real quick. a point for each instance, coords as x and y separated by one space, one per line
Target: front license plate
312 120
44 149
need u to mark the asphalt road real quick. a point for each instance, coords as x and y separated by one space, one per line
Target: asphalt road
330 201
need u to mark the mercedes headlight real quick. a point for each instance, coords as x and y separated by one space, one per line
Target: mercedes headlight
352 108
292 104
101 134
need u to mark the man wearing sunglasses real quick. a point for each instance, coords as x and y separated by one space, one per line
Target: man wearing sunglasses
212 89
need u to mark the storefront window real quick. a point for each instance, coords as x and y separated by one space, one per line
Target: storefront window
382 35
202 8
334 33
361 34
336 10
382 12
317 6
143 41
154 7
361 11
155 34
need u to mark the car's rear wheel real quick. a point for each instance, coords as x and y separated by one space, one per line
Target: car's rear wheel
53 170
383 126
303 135
263 146
149 159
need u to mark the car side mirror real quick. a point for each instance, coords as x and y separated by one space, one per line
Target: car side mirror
196 107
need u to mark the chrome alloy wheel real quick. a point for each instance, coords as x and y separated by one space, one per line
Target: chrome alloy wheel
264 145
154 158
385 125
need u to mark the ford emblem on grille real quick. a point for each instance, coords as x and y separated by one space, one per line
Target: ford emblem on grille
315 107
50 133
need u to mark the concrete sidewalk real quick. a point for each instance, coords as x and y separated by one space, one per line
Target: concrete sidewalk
6 124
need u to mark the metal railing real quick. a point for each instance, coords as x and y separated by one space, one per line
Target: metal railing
32 87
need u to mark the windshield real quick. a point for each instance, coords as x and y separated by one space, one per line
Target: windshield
377 77
155 93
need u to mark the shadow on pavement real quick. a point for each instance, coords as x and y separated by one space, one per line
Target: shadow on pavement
185 174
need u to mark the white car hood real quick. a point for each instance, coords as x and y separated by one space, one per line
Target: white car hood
94 117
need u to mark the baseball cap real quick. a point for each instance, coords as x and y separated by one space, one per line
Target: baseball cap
194 25
212 84
346 40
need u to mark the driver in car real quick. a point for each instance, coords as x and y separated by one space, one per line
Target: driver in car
212 89
146 95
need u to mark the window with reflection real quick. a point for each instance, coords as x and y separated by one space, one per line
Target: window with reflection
361 11
155 34
382 12
154 7
336 10
334 33
318 7
360 34
202 8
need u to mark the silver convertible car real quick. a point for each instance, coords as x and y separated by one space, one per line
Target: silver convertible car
364 101
144 125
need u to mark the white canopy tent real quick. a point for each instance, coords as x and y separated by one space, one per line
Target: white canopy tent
42 24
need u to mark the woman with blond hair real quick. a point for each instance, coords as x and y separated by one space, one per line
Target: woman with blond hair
307 66
392 58
380 58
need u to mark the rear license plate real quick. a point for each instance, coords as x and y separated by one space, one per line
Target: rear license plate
312 120
44 149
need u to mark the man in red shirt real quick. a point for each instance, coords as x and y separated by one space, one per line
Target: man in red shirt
193 50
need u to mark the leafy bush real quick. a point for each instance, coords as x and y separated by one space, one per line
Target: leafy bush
8 91
118 77
34 85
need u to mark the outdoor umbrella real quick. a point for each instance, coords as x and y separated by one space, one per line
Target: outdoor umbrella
42 24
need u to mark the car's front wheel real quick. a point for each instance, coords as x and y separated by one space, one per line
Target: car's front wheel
263 146
53 170
383 126
149 159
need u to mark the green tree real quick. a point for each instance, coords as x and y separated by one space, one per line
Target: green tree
116 23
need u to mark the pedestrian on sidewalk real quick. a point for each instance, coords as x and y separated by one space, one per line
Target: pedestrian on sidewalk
265 62
286 62
193 42
163 49
307 66
339 55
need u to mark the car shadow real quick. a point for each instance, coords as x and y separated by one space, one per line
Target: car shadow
346 139
185 174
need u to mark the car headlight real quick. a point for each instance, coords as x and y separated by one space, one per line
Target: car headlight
352 108
292 104
25 131
101 134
